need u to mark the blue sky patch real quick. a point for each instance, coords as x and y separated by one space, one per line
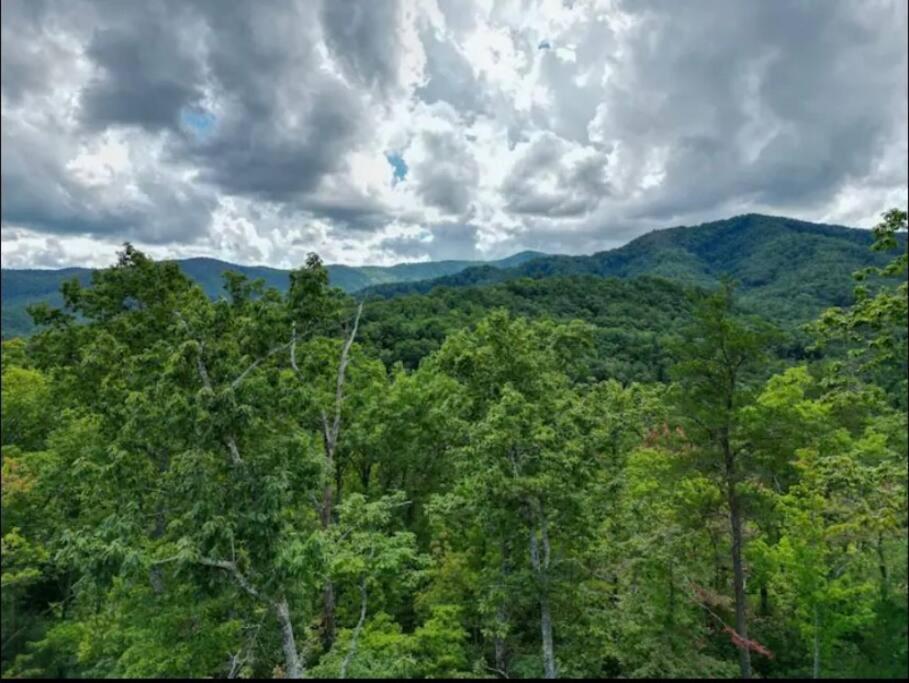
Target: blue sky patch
199 122
399 165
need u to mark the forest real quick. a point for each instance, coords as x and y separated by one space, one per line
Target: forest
560 475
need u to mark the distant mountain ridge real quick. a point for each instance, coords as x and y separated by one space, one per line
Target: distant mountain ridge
791 268
22 287
788 269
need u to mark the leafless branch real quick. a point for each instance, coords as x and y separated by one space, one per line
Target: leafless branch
234 451
357 630
239 380
498 671
293 350
232 569
339 387
206 382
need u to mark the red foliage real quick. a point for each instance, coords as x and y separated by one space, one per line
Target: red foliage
752 645
709 598
658 435
671 439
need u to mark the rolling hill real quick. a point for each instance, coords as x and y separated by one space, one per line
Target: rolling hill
788 269
22 287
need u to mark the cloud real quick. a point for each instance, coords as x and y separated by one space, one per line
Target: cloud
147 70
447 173
44 192
448 74
748 108
554 178
257 131
441 241
363 37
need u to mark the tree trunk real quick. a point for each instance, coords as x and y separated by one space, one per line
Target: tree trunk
540 568
331 431
718 584
499 645
816 663
291 659
339 481
365 471
328 615
356 634
738 577
499 641
882 566
328 592
549 666
156 573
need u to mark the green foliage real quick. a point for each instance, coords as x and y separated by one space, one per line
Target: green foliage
575 476
789 270
24 288
871 336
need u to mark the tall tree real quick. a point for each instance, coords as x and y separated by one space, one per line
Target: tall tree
717 362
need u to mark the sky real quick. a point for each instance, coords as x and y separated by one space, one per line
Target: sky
386 131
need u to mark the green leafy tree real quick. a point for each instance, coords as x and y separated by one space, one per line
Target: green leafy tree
718 359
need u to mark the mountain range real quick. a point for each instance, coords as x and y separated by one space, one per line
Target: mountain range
22 287
787 269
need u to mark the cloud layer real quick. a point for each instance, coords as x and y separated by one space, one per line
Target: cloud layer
376 132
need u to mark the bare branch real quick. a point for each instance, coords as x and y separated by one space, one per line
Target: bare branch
326 436
232 569
236 662
357 630
203 371
282 611
545 539
342 370
498 671
293 350
166 560
206 382
239 380
234 451
288 643
514 463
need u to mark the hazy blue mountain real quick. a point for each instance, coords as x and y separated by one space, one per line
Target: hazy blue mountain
21 287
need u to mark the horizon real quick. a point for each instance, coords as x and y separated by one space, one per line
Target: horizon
388 132
443 260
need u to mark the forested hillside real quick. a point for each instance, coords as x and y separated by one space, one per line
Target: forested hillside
566 477
21 288
790 269
632 321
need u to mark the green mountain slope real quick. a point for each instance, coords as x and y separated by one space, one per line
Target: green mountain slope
21 288
633 318
788 269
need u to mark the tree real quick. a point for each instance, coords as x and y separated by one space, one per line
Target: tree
524 469
874 329
839 497
717 361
